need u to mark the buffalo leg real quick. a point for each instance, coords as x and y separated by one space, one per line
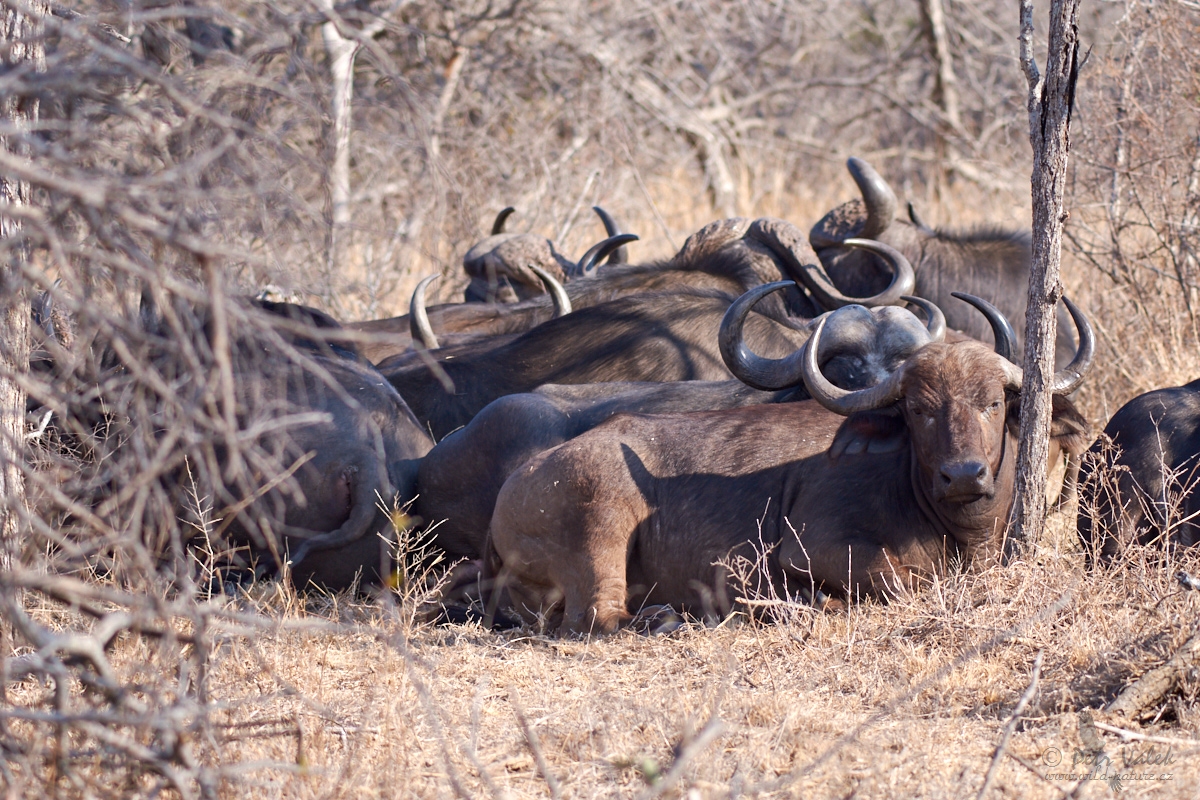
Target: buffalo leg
560 526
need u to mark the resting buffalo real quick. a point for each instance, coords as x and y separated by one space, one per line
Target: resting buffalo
656 337
1139 481
499 266
729 256
361 457
858 493
382 338
322 438
361 454
988 262
460 478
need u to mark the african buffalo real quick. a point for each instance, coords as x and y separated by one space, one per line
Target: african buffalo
460 477
856 493
1140 477
423 337
663 336
359 456
360 453
729 256
499 266
988 262
319 437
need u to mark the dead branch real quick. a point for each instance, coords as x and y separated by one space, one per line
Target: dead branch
1153 686
1011 725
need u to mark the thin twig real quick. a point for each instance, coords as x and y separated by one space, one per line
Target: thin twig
1011 725
1127 735
711 731
534 745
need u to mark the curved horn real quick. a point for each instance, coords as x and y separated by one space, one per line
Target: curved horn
498 225
587 264
558 295
418 320
371 481
903 279
1002 329
877 196
747 366
612 229
1067 379
841 401
935 320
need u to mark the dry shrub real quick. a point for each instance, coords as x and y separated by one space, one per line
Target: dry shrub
1136 201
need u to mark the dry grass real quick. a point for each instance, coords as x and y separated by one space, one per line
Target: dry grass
903 699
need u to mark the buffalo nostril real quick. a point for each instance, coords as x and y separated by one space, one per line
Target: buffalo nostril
964 475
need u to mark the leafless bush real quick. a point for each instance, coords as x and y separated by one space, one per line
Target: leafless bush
1136 195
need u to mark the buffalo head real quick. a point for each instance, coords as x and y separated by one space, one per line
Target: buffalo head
861 346
956 404
503 266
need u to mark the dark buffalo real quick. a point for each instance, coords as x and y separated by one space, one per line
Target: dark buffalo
322 439
987 262
499 266
460 478
858 493
652 337
383 338
656 337
730 256
1140 479
360 453
423 337
350 466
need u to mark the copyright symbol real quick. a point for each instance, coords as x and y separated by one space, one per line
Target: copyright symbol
1052 756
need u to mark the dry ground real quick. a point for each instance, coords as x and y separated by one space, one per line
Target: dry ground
904 699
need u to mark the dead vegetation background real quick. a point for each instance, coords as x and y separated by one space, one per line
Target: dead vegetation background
187 154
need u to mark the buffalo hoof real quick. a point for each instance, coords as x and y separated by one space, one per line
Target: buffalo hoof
823 602
657 621
459 614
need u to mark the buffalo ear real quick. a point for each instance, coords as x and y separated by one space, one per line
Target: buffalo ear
866 432
1012 411
1068 427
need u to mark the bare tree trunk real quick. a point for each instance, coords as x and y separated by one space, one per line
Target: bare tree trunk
20 49
342 50
945 86
341 69
1050 104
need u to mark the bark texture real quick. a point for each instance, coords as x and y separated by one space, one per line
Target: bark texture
20 50
1051 98
1149 690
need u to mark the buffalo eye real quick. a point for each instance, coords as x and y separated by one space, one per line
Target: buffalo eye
920 412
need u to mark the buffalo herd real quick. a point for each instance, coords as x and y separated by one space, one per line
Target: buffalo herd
590 440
